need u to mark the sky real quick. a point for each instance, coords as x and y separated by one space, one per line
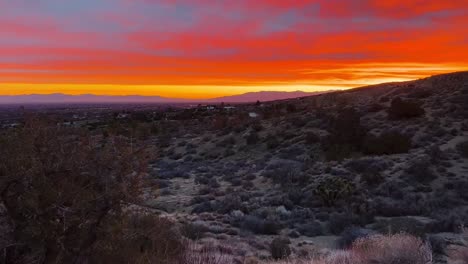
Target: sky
211 48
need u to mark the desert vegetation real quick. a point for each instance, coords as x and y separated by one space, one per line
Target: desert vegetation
372 175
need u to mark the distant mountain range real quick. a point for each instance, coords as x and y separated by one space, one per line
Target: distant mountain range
58 98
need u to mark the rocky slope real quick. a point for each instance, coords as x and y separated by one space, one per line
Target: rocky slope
321 170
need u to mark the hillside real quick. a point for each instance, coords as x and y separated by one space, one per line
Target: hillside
386 158
296 178
264 96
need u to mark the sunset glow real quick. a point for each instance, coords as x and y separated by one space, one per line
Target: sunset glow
205 49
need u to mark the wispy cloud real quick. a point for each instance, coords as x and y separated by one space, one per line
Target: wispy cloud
249 44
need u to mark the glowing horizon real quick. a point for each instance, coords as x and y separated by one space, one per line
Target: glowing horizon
204 49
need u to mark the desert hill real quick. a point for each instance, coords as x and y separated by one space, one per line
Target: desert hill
323 169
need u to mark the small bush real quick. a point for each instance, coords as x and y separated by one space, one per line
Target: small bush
331 190
372 179
205 255
400 248
346 135
252 138
279 248
463 148
272 142
311 229
387 143
339 222
193 231
404 109
260 226
350 235
312 138
419 169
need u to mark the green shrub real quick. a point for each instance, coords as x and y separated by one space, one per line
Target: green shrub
331 190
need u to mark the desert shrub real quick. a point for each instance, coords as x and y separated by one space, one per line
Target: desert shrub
404 109
62 186
311 229
257 127
338 152
460 187
375 107
392 249
339 257
205 255
193 231
291 108
272 142
247 185
438 244
463 148
228 141
285 173
420 93
387 143
279 248
298 122
260 226
350 235
230 202
312 138
252 138
419 169
372 179
346 135
203 207
407 225
339 222
141 239
367 165
332 190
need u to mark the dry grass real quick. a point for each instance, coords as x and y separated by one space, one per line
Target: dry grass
206 255
390 249
399 248
459 255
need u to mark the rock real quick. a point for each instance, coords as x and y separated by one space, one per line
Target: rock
237 214
282 211
294 234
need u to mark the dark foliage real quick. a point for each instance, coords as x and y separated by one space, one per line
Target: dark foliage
387 143
346 135
260 226
463 148
404 109
280 248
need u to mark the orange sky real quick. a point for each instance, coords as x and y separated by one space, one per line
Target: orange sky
204 49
